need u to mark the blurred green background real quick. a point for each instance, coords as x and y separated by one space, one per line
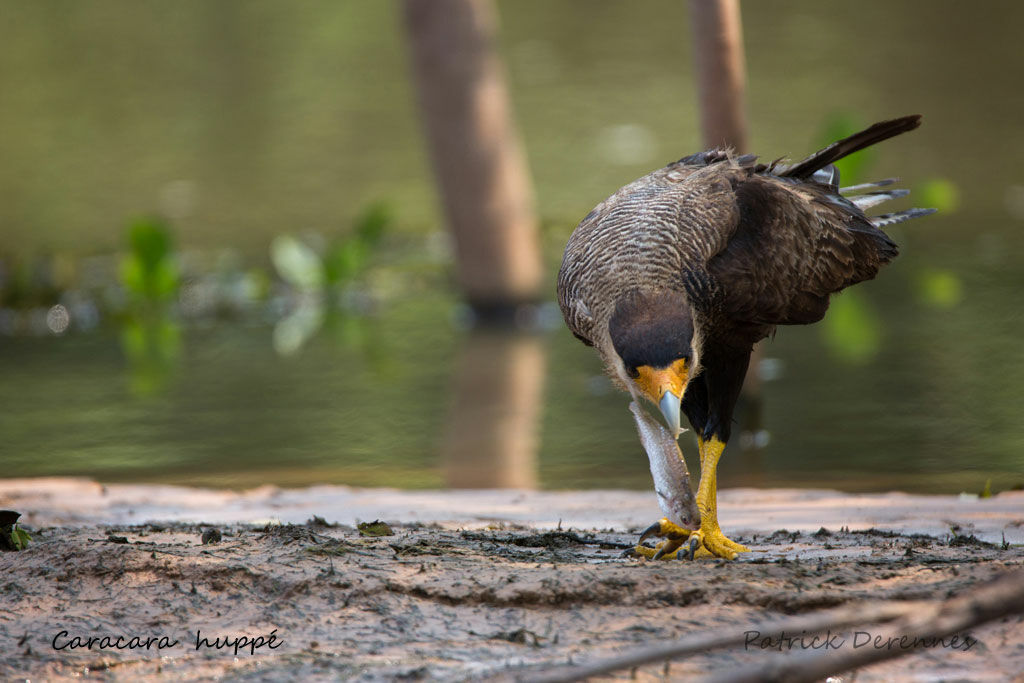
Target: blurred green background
288 316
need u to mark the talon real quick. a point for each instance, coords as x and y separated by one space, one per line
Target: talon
666 548
652 530
675 537
694 545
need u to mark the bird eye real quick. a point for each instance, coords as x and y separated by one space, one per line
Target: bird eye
632 372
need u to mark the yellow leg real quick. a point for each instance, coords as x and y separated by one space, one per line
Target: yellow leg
708 541
710 534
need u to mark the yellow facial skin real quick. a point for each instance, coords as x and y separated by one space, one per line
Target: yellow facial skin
654 382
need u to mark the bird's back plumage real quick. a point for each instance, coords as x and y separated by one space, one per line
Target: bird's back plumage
750 245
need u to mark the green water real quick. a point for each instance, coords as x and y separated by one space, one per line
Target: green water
290 118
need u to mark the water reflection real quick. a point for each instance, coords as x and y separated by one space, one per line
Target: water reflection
151 342
150 335
493 426
323 281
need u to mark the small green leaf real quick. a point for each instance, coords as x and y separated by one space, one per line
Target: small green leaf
297 263
345 260
148 271
20 537
150 241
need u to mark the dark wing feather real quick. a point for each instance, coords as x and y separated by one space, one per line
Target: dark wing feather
796 243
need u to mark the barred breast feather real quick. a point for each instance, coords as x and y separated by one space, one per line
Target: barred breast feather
659 231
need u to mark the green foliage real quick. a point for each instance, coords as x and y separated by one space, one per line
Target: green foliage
152 345
149 272
852 330
20 537
297 263
343 260
11 536
323 278
150 337
349 257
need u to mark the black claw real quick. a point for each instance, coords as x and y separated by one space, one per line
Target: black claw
652 530
661 551
694 544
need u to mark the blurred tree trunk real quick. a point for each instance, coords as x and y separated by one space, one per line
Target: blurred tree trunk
477 157
721 74
721 85
492 430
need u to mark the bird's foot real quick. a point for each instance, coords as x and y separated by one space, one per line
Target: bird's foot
680 543
714 542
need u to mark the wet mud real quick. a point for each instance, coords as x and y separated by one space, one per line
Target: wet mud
427 602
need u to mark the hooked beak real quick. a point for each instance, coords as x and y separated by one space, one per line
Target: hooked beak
671 405
665 387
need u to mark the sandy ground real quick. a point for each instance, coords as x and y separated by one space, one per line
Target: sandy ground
472 584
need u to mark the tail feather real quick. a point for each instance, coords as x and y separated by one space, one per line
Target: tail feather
854 189
854 143
898 217
866 201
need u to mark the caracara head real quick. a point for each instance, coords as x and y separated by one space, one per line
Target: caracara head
652 334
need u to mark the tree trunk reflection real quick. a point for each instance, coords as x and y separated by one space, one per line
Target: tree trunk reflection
492 433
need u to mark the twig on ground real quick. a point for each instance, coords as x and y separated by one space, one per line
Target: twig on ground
701 642
917 619
1000 598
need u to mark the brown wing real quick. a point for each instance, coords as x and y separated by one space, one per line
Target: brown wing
796 243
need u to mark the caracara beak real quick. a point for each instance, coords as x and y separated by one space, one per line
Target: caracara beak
671 405
665 387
